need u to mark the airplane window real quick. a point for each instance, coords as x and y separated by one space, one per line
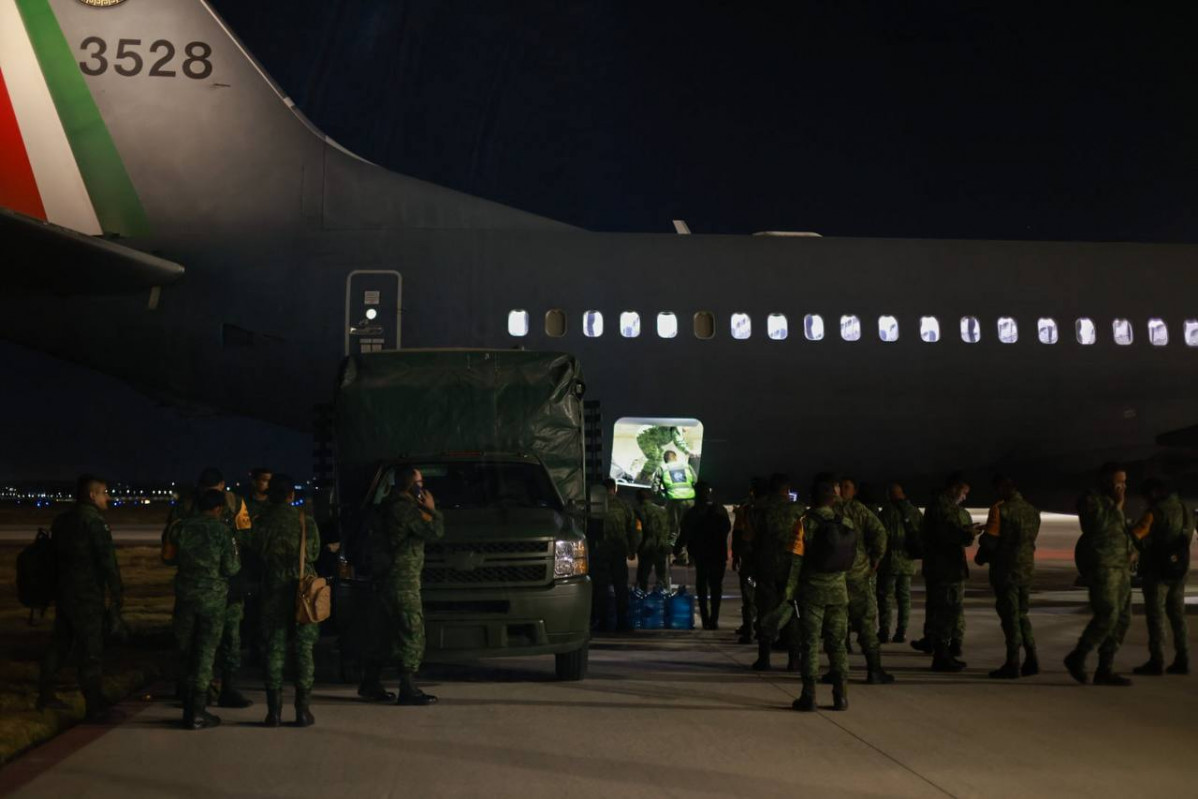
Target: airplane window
775 326
704 324
1123 334
971 330
1047 330
1191 333
667 325
887 328
929 329
1008 330
517 323
630 324
1158 332
592 324
813 327
850 328
1087 334
555 323
742 326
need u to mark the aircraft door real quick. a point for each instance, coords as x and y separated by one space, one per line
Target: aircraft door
372 310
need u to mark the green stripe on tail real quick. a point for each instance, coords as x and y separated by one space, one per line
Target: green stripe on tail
112 194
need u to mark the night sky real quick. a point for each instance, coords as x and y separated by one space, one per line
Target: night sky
936 119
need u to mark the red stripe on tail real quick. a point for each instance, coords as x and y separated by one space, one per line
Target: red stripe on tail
18 188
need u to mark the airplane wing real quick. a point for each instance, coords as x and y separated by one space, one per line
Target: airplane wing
43 258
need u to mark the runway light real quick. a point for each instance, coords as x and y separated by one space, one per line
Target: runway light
371 313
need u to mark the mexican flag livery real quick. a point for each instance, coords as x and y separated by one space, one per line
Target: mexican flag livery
58 161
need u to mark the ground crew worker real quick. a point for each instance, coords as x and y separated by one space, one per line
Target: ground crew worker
863 609
86 568
1164 533
705 529
823 600
1015 524
1104 555
615 547
742 558
947 530
653 441
409 519
902 521
775 523
206 557
276 539
237 519
675 483
655 541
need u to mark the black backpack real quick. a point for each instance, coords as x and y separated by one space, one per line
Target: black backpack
37 575
834 546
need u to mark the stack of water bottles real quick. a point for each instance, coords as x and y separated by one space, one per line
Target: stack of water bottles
657 610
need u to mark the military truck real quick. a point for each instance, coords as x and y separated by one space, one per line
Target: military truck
498 436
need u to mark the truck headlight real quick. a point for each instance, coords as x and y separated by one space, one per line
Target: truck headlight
569 559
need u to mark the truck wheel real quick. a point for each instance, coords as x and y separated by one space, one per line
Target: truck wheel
572 665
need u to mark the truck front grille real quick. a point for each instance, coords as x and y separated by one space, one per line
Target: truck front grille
488 563
487 574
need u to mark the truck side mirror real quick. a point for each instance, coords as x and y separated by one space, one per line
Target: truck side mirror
597 501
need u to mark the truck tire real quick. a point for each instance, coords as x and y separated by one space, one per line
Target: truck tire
572 665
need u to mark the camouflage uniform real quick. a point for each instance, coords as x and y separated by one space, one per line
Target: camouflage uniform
823 599
399 615
1011 568
776 522
1165 597
86 561
655 545
871 547
901 519
742 559
1104 558
947 530
609 567
206 558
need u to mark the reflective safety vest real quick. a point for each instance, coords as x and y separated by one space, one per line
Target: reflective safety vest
678 481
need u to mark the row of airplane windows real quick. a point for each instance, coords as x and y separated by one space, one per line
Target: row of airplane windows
777 327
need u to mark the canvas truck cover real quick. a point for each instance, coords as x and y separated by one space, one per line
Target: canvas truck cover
428 402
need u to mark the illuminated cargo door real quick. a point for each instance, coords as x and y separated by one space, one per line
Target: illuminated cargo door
372 310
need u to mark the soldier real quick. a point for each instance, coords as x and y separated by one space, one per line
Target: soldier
256 499
237 519
1104 554
902 521
675 483
277 539
86 566
655 541
612 551
823 599
705 529
871 547
1163 533
207 557
947 530
409 519
742 558
777 518
1015 524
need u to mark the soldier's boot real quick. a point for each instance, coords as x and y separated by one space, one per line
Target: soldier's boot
883 636
195 713
840 693
806 701
303 711
943 661
1154 667
1180 664
876 674
1075 664
274 708
371 688
762 663
1008 670
229 695
922 645
1105 673
1031 664
900 636
409 694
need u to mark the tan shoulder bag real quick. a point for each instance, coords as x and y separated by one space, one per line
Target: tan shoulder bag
313 596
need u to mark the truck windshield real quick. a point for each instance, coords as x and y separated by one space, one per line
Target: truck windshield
483 484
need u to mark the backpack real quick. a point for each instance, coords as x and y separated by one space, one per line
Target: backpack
834 546
37 575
